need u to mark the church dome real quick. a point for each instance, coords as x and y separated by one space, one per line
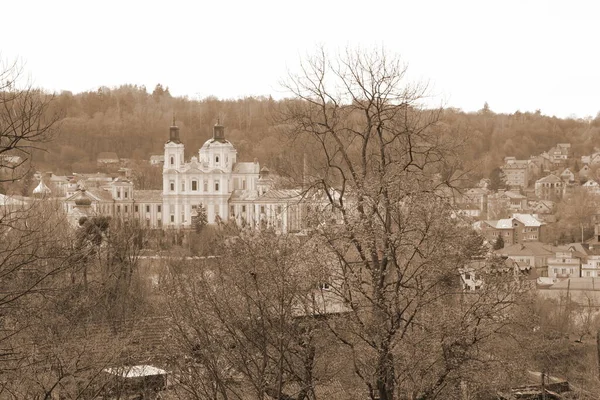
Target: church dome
41 189
82 200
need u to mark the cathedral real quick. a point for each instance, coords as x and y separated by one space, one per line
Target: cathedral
212 181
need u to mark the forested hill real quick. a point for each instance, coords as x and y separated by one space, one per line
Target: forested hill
134 123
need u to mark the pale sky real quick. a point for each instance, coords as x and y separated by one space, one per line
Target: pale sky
516 55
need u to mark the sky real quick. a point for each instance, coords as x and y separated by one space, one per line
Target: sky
515 55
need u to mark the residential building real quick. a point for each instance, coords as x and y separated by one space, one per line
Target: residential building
534 254
516 172
592 187
505 202
157 160
567 176
559 154
584 173
550 187
519 228
590 263
566 263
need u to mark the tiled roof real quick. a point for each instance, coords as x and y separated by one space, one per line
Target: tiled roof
154 196
528 249
281 194
588 284
549 179
246 168
239 194
527 219
101 194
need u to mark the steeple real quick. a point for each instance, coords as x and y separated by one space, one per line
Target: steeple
174 132
219 131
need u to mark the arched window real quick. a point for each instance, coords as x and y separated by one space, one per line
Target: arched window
216 160
172 160
217 186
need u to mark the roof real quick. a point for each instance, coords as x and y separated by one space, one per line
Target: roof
527 219
281 194
246 168
148 196
549 179
528 249
590 284
135 371
587 249
107 155
10 201
514 195
240 194
101 194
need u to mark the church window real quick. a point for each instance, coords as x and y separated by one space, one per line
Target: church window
172 160
125 194
172 218
205 186
158 208
243 184
148 208
216 160
118 209
172 185
262 209
194 185
216 186
118 193
137 208
126 209
183 186
243 208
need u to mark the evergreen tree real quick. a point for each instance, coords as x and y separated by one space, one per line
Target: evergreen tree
499 243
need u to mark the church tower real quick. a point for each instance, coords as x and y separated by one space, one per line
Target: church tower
173 149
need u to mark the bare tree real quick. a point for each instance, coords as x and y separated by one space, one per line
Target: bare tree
379 164
245 322
26 120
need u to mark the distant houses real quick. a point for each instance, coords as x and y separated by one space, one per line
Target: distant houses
107 158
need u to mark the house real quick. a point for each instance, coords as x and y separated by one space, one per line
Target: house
584 173
517 229
566 263
534 254
157 160
10 161
107 158
472 275
559 154
542 207
590 264
550 187
516 172
567 176
592 187
504 203
592 160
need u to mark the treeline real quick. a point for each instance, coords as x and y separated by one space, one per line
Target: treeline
134 123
